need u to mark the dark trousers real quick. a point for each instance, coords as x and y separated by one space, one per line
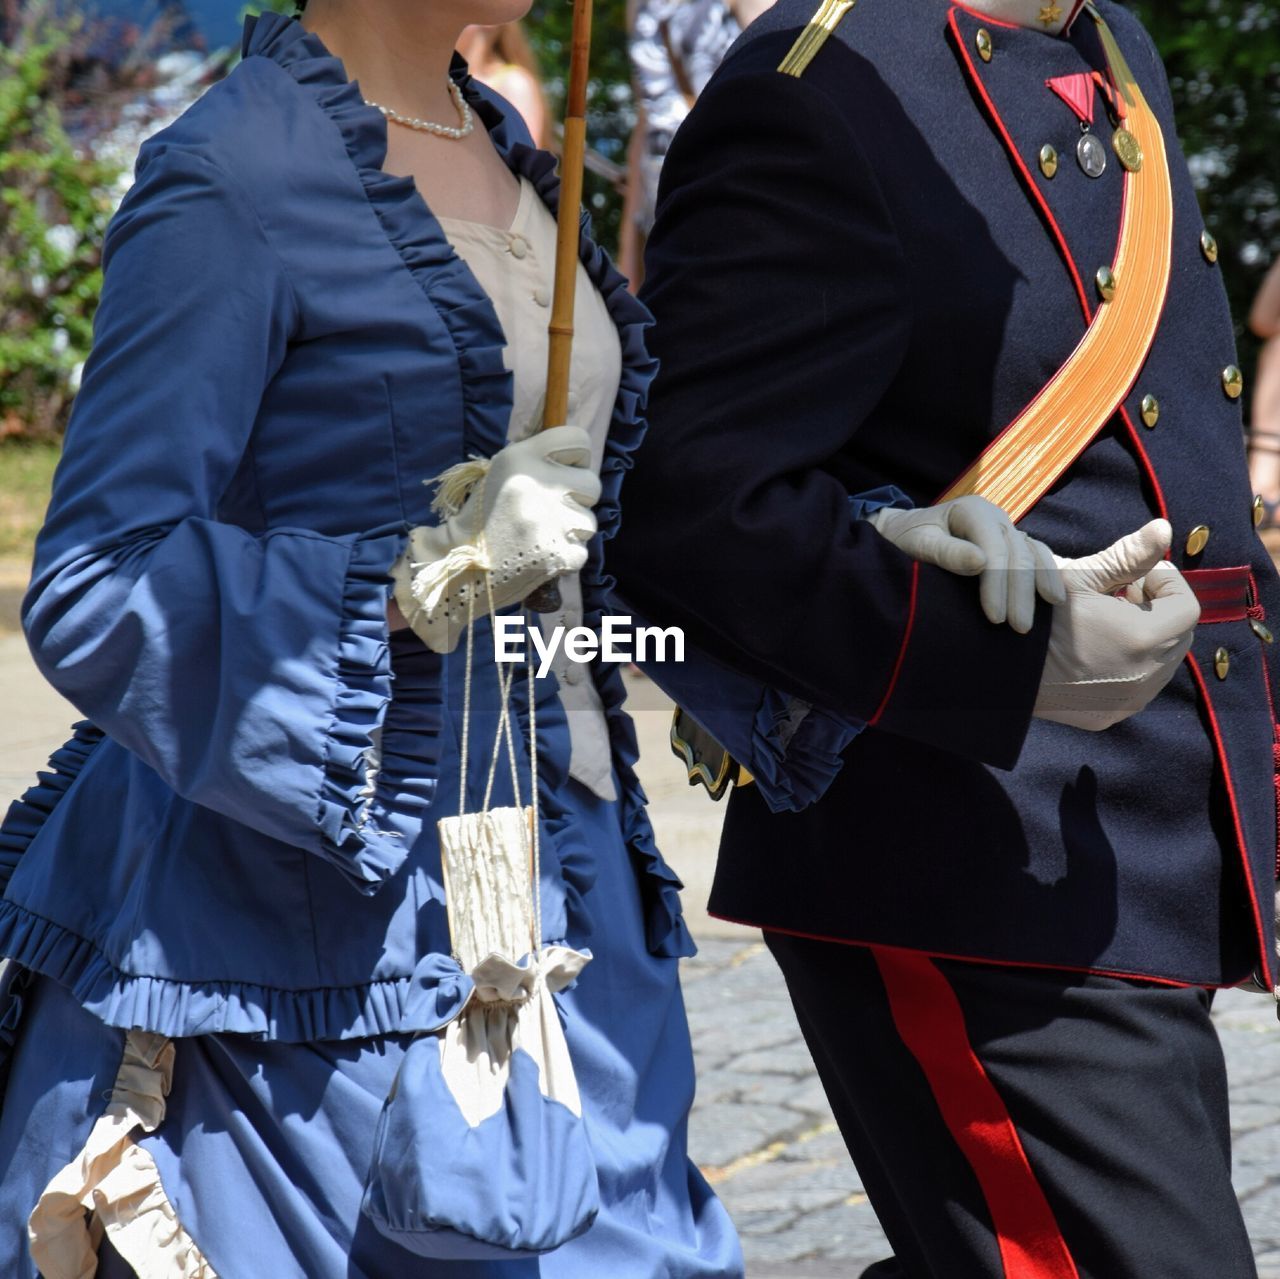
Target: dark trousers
1024 1123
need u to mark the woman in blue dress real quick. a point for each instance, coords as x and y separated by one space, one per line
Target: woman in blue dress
224 901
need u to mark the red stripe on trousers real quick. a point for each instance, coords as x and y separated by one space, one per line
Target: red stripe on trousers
929 1018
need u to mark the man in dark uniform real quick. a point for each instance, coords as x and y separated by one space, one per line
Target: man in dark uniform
893 239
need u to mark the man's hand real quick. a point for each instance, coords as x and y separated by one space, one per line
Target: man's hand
971 536
1111 653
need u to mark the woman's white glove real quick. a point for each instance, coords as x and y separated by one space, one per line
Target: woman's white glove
523 517
1111 654
971 536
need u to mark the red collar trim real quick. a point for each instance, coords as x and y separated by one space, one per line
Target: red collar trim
1076 10
986 17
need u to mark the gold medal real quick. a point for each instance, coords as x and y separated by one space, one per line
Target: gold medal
1126 147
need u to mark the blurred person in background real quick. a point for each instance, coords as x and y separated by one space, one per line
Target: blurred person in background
676 46
502 58
1264 434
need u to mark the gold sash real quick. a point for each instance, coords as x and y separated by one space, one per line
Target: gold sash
1024 461
1020 465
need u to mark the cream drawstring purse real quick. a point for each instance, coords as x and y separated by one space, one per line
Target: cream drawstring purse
481 1150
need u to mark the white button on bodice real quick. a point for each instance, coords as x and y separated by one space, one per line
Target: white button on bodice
518 281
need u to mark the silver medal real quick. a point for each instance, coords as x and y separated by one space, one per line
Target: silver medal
1092 155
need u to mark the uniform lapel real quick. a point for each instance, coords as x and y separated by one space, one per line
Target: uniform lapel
1009 69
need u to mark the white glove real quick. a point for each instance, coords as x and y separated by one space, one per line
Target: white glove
1109 656
522 517
971 536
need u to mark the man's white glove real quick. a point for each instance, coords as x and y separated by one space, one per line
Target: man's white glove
971 536
523 517
1109 655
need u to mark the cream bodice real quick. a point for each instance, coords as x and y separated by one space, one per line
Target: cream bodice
515 267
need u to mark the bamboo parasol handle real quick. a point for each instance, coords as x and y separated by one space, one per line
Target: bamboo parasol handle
546 599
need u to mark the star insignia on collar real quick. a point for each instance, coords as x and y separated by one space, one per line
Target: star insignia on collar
1050 13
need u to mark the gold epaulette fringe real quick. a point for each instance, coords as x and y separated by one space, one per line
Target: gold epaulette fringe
814 36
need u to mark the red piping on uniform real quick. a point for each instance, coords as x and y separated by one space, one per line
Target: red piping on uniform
1036 193
1060 237
1150 470
977 959
1259 613
930 1022
1275 756
1030 183
1266 941
902 648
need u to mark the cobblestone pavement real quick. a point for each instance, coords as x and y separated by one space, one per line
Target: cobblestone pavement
761 1128
763 1133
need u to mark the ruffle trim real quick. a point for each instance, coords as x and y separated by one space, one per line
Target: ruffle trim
631 318
479 342
413 733
366 853
428 999
666 931
464 308
29 813
113 1185
797 750
447 281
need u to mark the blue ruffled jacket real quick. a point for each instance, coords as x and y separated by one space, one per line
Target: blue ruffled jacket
243 838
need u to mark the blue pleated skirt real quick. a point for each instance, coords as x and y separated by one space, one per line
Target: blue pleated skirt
265 1147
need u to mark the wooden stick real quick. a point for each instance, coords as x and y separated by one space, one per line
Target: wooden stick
560 346
546 599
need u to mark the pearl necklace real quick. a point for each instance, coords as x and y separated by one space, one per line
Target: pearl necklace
427 126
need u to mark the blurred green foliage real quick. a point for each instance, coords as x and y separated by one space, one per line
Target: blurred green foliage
1223 61
1222 56
610 110
55 203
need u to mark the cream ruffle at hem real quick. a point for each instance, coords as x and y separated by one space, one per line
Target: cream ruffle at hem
113 1186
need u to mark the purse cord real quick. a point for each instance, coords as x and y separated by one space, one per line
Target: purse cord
502 734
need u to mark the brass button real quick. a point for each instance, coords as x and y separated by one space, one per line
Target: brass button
1261 630
1209 247
1106 280
1259 510
1197 539
1233 382
983 42
1221 663
1150 411
1048 161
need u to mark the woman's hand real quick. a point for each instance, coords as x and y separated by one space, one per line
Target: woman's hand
509 525
973 537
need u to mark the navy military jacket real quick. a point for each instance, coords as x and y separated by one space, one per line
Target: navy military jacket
859 277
